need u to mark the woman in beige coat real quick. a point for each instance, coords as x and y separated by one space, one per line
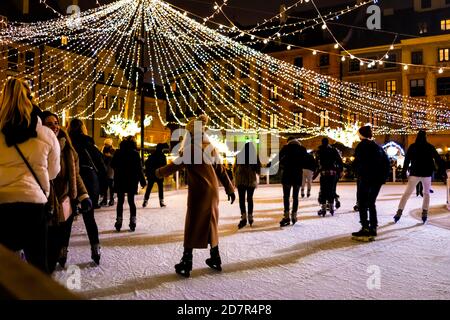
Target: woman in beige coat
202 217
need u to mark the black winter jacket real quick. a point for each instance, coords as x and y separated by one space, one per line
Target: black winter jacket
421 160
292 157
328 159
371 163
154 161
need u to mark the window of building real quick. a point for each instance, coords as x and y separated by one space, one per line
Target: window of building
29 61
121 103
353 118
391 87
49 88
354 65
298 119
273 119
66 64
67 92
245 72
215 94
324 89
13 58
417 88
444 55
298 62
230 121
245 123
103 133
425 4
324 118
443 86
423 27
216 72
445 25
298 90
390 62
229 94
324 60
373 119
273 93
230 70
245 94
115 104
354 89
373 85
417 57
104 102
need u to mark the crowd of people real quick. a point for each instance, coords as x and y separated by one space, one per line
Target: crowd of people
50 175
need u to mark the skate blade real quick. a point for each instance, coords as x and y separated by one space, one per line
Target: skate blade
363 239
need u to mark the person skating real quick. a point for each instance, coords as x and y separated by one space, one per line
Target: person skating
202 217
128 173
309 167
92 171
246 171
329 163
420 161
108 153
69 191
154 161
371 166
292 157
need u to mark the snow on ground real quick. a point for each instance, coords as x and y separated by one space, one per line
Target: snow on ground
315 259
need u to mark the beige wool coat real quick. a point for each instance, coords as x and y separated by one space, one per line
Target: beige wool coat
202 216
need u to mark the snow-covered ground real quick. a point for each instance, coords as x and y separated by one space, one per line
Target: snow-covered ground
315 259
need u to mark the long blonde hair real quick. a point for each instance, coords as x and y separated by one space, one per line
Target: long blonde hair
15 100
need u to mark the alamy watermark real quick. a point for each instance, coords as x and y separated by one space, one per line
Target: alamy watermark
374 21
374 280
74 21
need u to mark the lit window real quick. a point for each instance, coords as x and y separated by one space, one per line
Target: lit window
445 25
298 90
324 89
273 120
273 93
444 55
245 123
391 87
104 102
298 119
324 118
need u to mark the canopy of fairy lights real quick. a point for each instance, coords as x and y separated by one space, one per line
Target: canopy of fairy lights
200 70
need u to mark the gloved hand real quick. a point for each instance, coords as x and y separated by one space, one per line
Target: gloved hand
231 197
86 205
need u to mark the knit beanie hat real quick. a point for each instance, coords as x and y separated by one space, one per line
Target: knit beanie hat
366 132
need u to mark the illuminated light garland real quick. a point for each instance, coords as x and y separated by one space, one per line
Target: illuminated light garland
347 135
121 127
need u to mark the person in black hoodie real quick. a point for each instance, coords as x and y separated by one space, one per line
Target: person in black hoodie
92 170
329 164
421 161
292 158
154 161
128 173
372 167
309 168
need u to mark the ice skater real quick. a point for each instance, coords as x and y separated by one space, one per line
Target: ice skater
309 167
420 161
372 170
202 216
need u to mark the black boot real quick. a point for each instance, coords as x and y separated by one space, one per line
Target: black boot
161 203
214 262
424 216
184 268
96 253
250 219
285 221
118 224
243 221
62 259
132 224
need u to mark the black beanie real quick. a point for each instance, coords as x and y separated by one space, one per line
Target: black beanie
366 132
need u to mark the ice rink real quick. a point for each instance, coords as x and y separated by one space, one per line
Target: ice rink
315 259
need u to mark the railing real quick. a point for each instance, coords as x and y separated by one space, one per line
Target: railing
21 281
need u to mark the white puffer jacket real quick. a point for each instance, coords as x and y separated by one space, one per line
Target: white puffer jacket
17 184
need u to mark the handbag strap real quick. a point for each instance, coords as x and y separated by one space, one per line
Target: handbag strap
31 169
91 161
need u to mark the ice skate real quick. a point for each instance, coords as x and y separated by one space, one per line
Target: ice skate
294 217
62 259
214 262
250 219
363 235
132 224
285 221
96 253
118 224
243 221
331 209
184 268
398 215
338 203
161 203
424 216
323 211
145 203
111 202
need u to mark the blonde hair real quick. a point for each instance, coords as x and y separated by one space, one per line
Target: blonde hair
15 100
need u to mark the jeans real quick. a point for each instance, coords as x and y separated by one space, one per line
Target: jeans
286 197
120 202
367 196
307 180
23 226
150 184
242 191
109 186
412 182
